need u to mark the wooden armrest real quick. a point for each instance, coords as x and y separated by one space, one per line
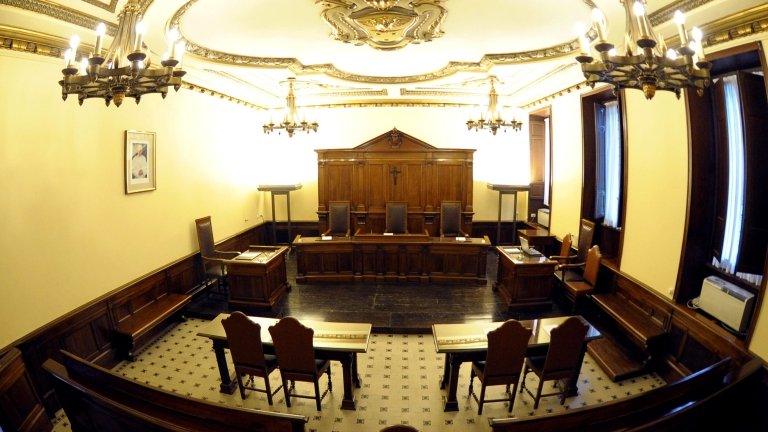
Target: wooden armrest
328 231
425 232
359 231
563 257
570 266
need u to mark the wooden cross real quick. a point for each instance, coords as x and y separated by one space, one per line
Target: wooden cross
394 171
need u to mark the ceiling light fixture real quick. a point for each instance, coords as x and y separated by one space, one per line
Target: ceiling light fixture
491 119
289 122
113 82
646 64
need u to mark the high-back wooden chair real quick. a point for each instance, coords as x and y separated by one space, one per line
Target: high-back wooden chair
566 349
450 219
296 358
338 218
213 260
396 218
586 235
576 288
568 262
503 364
244 340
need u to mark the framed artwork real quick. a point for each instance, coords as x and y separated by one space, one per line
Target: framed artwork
139 161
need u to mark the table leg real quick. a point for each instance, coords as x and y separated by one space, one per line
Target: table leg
446 371
451 403
348 401
228 384
573 388
355 374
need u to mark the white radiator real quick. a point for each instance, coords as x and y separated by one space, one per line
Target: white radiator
542 217
726 302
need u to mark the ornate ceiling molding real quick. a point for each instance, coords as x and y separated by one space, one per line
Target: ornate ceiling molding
61 13
665 13
298 68
434 92
109 7
386 28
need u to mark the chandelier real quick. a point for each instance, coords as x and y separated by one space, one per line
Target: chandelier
289 122
381 4
108 78
492 119
646 63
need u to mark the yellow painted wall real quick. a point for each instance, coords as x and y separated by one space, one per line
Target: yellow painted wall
503 158
566 165
69 233
657 189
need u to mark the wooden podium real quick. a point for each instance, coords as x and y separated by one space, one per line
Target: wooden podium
260 282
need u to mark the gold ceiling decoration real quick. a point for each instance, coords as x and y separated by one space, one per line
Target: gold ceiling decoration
667 12
298 68
61 13
384 25
109 6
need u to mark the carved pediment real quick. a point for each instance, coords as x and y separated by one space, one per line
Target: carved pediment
394 140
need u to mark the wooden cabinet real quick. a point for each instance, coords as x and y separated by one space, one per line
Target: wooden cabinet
260 282
395 167
524 281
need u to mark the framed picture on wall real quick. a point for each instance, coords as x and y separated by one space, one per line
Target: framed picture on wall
139 161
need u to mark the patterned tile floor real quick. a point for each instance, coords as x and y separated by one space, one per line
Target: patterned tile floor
400 384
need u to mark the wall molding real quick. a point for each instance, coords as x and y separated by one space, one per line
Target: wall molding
62 13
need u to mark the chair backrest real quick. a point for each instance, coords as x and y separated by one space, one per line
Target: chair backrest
397 217
593 265
507 346
338 217
205 236
586 233
450 218
399 428
565 345
565 247
293 345
244 340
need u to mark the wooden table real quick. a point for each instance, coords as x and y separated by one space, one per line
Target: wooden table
524 281
391 258
468 342
333 341
259 282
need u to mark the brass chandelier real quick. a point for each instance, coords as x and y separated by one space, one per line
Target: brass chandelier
106 77
492 119
646 63
290 123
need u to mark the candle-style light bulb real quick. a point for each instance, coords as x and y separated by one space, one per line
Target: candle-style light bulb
598 17
83 66
74 42
581 31
613 52
672 54
141 28
68 57
181 47
639 10
172 37
101 29
679 19
698 36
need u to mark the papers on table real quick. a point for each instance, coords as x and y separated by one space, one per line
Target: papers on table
248 256
389 233
461 239
326 237
513 250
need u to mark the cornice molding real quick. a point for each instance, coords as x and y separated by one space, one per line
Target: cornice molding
61 13
298 68
109 7
666 13
434 92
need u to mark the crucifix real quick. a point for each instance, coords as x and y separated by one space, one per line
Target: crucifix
394 171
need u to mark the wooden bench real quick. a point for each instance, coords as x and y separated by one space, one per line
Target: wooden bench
141 312
626 413
96 399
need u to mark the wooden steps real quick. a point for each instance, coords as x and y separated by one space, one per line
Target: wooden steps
613 360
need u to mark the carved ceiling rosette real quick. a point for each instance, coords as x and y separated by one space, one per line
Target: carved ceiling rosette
384 25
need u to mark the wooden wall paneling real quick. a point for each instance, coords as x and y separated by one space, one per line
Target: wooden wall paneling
20 407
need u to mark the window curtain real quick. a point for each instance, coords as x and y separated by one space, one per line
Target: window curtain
547 161
736 187
612 163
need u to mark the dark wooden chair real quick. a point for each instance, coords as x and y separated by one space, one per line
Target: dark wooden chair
586 235
244 340
565 252
338 218
577 288
213 260
503 363
399 428
566 345
296 359
396 218
450 219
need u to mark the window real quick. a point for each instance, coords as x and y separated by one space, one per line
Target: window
539 197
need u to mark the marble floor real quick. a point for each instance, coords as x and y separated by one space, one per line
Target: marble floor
400 384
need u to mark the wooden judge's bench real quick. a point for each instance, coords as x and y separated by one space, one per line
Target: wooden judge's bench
394 168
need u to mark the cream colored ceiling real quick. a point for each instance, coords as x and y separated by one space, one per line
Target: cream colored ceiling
291 34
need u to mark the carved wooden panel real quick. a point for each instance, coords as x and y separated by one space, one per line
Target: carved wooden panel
395 167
